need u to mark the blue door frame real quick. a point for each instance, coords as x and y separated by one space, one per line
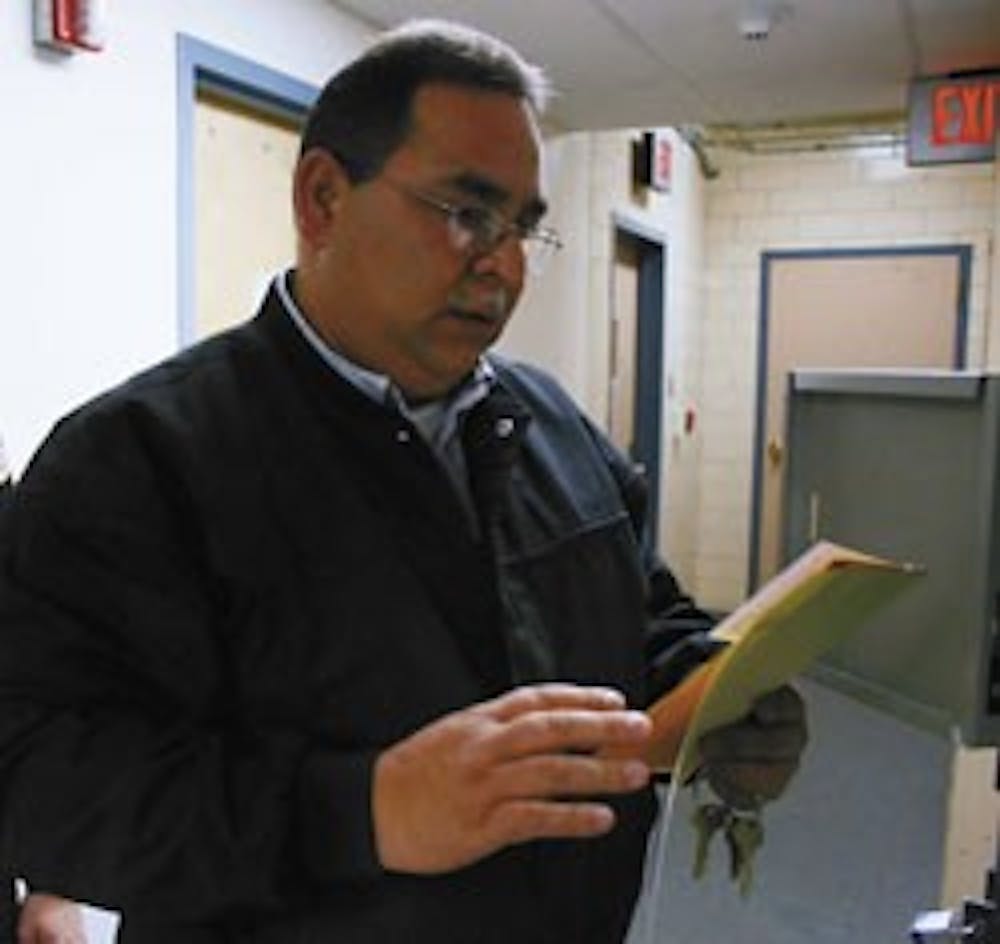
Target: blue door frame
646 448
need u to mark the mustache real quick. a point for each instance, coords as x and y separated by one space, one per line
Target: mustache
494 302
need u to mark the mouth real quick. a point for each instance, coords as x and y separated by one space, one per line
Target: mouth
488 308
489 319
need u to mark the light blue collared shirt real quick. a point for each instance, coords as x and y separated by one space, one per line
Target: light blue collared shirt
437 421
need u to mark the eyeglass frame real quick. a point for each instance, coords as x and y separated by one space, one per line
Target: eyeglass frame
466 238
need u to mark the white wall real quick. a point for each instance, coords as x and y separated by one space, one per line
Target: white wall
811 200
88 189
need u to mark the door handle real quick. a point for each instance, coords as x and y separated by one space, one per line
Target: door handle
775 452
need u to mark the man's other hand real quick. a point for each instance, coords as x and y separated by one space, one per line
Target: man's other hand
48 919
752 761
526 765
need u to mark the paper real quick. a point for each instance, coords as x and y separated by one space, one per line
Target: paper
819 600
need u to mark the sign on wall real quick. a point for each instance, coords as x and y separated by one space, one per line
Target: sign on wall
653 161
953 119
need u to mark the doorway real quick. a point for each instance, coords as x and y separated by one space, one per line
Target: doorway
244 231
636 353
860 308
237 128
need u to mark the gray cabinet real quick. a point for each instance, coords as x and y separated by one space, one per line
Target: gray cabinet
905 464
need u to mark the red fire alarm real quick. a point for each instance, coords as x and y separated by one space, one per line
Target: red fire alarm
69 25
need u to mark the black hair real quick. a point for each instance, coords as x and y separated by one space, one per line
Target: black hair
364 112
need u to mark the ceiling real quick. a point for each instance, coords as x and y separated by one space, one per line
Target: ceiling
629 63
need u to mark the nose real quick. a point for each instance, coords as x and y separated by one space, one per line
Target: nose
505 260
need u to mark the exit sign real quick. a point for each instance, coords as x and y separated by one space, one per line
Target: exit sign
653 161
953 119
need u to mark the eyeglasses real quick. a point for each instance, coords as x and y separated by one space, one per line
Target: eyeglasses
478 230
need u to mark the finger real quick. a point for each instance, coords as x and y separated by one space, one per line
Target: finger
783 705
525 820
551 695
566 775
562 730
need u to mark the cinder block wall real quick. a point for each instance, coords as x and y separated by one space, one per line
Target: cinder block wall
860 198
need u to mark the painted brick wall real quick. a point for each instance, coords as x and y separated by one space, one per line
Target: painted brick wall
810 200
679 215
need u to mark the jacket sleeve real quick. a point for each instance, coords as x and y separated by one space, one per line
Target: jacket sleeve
6 497
676 629
8 912
128 775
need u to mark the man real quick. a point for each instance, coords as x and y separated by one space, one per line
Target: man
41 918
327 628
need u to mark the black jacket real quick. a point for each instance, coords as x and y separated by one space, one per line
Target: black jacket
8 914
235 580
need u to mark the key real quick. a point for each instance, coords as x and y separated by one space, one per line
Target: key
708 819
744 836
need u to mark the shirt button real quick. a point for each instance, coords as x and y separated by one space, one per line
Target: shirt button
402 435
504 427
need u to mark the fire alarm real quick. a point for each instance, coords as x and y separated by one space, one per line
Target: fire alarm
70 25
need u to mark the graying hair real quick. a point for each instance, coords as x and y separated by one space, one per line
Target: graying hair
364 112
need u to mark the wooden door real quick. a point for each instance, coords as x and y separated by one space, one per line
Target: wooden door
244 229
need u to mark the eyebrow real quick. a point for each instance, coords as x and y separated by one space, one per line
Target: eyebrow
490 193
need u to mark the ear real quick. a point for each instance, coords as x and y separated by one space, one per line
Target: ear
319 186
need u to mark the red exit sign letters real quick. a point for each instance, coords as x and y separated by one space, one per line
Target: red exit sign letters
953 119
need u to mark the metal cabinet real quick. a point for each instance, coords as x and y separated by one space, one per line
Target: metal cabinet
906 465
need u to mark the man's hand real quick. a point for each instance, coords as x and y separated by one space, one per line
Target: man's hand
48 919
752 761
503 772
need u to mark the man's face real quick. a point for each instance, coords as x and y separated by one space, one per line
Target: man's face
412 305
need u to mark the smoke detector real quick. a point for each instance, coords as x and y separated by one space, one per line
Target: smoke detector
760 17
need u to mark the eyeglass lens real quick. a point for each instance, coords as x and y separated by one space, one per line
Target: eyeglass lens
479 232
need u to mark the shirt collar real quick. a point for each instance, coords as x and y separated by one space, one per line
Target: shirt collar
436 420
375 385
